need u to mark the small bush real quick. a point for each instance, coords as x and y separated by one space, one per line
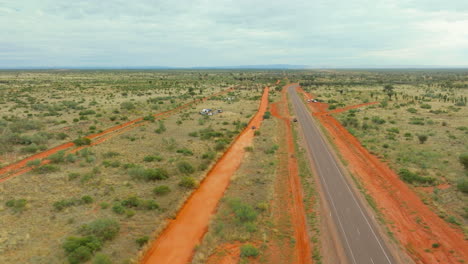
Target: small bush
462 185
82 141
185 167
267 115
110 154
377 120
463 158
426 106
412 110
58 157
141 241
152 158
161 190
80 249
185 152
33 163
127 106
422 138
412 177
87 199
101 259
220 146
188 182
148 174
243 212
118 208
210 155
248 250
104 229
47 168
17 205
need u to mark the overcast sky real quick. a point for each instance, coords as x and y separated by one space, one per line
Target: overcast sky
331 33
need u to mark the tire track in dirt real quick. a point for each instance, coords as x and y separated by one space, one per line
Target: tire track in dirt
412 222
19 168
178 240
302 247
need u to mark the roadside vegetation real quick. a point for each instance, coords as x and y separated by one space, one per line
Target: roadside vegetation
136 179
418 127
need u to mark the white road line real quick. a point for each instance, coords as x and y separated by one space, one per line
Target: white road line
352 194
372 261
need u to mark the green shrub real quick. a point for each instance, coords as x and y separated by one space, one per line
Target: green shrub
188 182
101 259
149 117
412 110
426 106
118 208
161 128
110 154
104 229
87 112
82 141
210 155
244 212
58 157
185 152
62 204
17 205
462 185
148 174
152 158
248 250
47 168
131 201
141 241
33 148
417 121
220 146
87 199
149 205
73 175
422 138
377 120
81 249
412 177
267 115
33 163
463 158
185 167
127 106
272 150
161 190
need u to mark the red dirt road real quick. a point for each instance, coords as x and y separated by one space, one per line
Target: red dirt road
177 242
302 247
19 167
411 221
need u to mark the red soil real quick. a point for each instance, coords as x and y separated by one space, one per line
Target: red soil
302 247
19 167
412 222
177 241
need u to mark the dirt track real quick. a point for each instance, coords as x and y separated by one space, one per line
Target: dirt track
302 247
411 221
177 242
19 167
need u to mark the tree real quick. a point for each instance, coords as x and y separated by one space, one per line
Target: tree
463 158
388 89
422 138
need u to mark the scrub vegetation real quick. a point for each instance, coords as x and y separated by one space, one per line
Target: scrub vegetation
419 127
131 180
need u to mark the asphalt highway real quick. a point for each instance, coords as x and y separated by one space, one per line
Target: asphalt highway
357 232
